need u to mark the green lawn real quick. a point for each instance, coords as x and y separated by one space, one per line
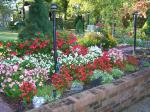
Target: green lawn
7 35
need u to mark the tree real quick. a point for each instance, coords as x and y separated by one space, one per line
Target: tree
5 12
146 27
38 20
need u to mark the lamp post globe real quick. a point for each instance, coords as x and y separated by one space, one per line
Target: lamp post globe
53 7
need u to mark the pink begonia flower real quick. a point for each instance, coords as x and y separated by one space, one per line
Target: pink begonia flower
16 67
1 91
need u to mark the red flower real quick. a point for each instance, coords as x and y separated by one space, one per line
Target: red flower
132 60
1 44
57 34
28 90
21 46
60 43
33 46
119 64
38 33
36 40
8 44
13 53
103 63
73 40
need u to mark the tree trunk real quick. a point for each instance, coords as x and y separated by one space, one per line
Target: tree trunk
23 10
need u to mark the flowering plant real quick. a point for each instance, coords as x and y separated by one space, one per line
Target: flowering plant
65 41
11 78
103 63
26 47
28 90
132 60
115 54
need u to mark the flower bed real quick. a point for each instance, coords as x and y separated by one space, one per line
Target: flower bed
105 98
27 75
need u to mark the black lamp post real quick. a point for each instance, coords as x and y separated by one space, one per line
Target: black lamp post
134 30
88 18
53 9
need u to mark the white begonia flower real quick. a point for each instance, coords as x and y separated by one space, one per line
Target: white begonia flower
21 77
9 80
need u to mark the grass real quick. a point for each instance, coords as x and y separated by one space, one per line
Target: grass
7 35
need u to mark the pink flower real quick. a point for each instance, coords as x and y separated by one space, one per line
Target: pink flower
15 67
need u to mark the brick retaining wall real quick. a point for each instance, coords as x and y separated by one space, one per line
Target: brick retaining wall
105 98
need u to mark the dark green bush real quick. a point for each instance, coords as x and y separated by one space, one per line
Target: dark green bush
69 24
37 21
80 27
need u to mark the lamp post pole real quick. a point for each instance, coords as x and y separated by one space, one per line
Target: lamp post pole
53 8
134 30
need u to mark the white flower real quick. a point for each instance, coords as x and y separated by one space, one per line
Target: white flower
9 80
21 77
40 84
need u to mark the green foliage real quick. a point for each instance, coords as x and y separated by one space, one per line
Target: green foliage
45 90
27 65
38 20
130 68
146 64
117 73
146 27
91 39
13 92
105 77
108 41
80 26
96 74
69 24
130 41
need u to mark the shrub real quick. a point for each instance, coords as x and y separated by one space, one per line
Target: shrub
146 64
106 78
130 41
116 73
69 24
91 39
80 27
38 20
146 27
130 68
96 74
108 42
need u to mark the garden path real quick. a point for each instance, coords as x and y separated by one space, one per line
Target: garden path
4 107
141 106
